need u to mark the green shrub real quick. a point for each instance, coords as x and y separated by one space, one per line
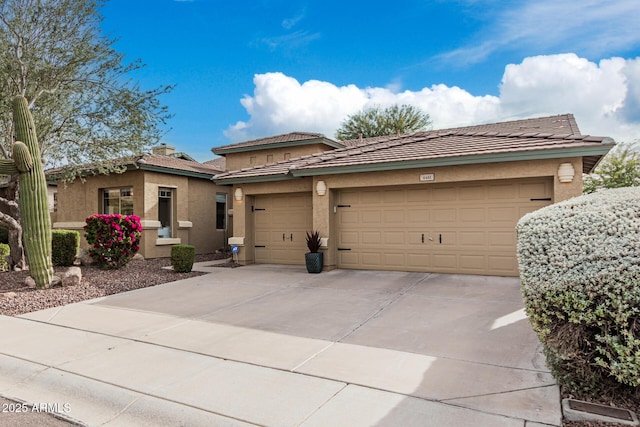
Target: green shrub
182 257
580 273
64 247
115 239
4 234
4 252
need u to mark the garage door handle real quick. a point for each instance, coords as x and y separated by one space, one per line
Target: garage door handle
440 238
543 199
259 246
291 237
344 249
422 237
283 237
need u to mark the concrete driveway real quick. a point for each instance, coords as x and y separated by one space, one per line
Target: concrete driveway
273 345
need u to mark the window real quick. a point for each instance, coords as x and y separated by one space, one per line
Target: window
54 208
269 158
117 201
287 156
221 211
165 211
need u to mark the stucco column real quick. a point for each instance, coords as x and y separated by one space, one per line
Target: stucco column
323 221
243 228
566 190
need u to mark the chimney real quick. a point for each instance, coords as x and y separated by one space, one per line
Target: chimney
164 150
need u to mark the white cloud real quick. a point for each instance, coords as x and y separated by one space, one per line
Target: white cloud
289 23
604 97
543 25
289 41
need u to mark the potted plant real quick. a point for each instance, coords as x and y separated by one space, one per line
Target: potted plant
313 258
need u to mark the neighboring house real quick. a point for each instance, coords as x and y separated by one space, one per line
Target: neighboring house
173 195
439 201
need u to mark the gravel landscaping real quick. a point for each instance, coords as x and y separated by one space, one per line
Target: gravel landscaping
16 298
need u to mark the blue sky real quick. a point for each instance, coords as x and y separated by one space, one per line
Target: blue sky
248 69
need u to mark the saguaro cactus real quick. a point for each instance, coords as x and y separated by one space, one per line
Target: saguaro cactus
33 202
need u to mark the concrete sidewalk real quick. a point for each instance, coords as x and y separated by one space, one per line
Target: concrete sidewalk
267 345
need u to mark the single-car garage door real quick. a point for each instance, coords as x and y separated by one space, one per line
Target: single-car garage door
280 223
449 228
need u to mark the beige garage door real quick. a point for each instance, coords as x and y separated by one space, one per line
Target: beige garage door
450 228
280 224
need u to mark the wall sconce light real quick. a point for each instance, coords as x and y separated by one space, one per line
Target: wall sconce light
566 172
238 194
321 188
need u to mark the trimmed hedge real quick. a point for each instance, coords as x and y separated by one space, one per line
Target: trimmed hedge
580 273
4 252
64 247
182 258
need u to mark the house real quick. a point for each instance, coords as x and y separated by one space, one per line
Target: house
173 195
439 201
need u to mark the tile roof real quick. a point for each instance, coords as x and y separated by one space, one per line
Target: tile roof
219 163
273 140
168 164
452 146
560 124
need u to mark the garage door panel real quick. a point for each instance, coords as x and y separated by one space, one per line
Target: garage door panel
472 262
472 215
348 217
370 197
444 194
472 192
418 261
392 196
371 237
501 238
533 190
467 227
473 238
370 217
394 260
371 259
394 217
502 191
397 238
505 264
348 259
443 216
348 238
502 214
280 226
421 195
444 261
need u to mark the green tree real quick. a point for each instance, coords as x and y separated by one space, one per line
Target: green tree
619 168
378 121
80 90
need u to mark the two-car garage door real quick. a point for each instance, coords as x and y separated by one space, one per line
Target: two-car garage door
449 228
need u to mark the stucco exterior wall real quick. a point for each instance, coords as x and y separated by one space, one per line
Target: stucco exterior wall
193 206
324 219
247 159
202 213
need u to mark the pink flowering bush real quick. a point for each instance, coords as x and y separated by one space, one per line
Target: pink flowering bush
115 239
